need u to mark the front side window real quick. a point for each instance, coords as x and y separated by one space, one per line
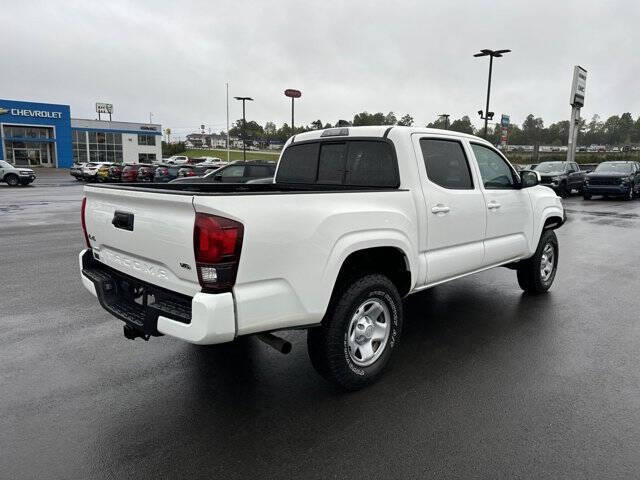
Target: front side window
446 164
494 170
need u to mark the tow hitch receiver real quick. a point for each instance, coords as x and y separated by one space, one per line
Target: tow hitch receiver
132 333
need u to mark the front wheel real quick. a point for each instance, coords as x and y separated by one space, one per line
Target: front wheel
586 196
358 334
536 274
630 194
12 180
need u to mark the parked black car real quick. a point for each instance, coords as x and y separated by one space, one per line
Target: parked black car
615 179
562 177
115 172
238 172
166 173
146 173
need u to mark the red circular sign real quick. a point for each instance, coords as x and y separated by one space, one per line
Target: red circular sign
290 92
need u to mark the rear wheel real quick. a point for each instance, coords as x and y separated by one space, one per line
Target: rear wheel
358 333
536 274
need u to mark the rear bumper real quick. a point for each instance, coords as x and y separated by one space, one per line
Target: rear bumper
202 319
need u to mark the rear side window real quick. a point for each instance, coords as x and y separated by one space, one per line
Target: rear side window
446 164
349 163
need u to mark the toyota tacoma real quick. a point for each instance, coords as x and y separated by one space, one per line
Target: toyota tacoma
355 220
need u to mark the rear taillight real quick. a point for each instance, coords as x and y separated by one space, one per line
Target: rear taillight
84 223
217 242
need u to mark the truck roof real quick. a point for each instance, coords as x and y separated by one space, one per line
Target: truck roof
377 131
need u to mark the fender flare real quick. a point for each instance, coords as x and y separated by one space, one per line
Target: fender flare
548 212
362 240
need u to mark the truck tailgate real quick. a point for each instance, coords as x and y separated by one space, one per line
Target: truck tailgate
146 235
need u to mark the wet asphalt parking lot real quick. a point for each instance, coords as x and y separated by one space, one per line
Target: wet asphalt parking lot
487 382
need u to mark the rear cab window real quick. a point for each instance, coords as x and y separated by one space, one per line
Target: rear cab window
351 162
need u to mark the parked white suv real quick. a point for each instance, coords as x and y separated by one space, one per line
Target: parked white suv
14 176
356 219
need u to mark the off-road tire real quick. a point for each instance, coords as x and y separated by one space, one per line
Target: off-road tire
328 345
529 274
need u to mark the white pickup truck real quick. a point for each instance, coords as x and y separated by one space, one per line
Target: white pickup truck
356 219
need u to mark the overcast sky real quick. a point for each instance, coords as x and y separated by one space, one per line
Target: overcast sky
173 58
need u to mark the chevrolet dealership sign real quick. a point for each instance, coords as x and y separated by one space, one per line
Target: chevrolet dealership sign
25 112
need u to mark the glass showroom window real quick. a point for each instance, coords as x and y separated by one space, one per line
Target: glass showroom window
146 157
146 140
79 138
105 147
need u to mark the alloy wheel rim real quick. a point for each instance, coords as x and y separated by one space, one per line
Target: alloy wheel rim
368 332
547 262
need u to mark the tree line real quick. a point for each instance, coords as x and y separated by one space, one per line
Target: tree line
615 130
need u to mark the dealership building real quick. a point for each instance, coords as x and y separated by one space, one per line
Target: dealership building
44 134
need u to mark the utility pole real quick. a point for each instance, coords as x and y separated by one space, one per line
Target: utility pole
244 126
490 53
446 120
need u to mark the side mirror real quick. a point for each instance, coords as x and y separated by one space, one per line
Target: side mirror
529 178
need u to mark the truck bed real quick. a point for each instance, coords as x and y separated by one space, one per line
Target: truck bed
209 188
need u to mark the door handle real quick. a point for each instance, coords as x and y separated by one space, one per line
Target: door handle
440 208
493 205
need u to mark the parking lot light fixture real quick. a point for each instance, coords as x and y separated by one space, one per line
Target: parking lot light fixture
490 53
244 126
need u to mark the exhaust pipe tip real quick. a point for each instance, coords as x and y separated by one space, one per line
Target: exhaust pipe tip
277 343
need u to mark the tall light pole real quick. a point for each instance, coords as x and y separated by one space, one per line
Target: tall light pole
446 120
490 53
228 122
244 126
293 94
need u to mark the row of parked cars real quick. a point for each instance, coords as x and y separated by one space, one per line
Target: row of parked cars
235 172
609 179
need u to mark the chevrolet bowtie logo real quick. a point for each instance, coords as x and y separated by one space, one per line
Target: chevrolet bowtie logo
3 110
